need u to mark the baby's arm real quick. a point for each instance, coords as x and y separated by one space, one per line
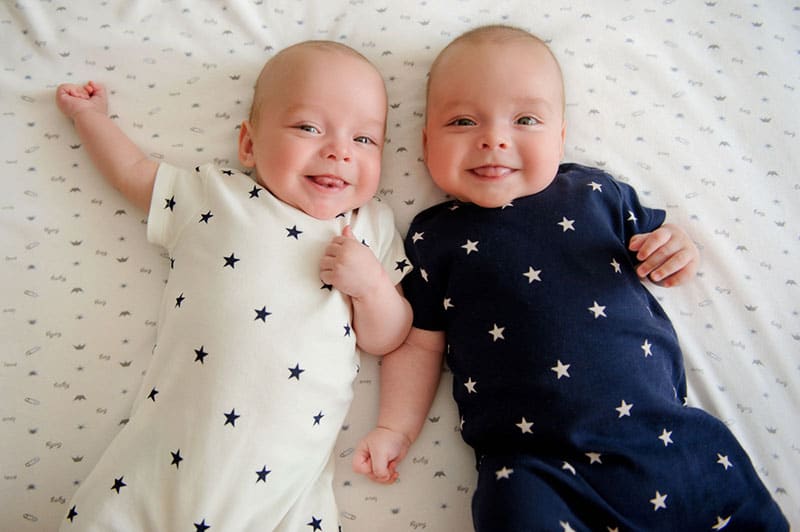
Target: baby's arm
120 161
409 378
668 256
381 315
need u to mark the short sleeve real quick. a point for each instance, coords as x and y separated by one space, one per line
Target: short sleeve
177 196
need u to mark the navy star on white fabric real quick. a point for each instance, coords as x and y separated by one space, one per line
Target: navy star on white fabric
294 373
176 458
118 484
231 261
169 203
262 474
293 232
315 524
231 417
262 314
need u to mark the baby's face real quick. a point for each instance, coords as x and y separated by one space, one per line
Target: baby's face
317 141
495 123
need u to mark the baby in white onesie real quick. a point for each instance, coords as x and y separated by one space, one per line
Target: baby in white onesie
274 283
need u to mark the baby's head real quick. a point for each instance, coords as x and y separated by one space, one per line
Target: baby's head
316 128
495 123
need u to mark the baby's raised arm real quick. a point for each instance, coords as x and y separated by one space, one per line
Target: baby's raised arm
120 161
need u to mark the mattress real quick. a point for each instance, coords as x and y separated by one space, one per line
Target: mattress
693 103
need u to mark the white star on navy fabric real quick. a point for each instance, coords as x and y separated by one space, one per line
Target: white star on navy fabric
417 236
598 310
659 502
470 384
532 275
504 472
594 458
616 265
566 225
666 437
525 426
470 246
497 333
561 369
723 461
721 523
596 187
448 303
646 347
631 217
624 409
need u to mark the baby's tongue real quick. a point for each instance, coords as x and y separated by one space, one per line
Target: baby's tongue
328 181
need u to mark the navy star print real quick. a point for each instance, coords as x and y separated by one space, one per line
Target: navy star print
200 355
152 395
204 218
170 203
118 484
231 261
315 524
254 192
262 314
176 459
294 232
262 475
201 526
294 373
231 417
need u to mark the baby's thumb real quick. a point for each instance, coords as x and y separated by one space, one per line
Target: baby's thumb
348 233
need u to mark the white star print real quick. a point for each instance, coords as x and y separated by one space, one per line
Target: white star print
470 384
646 348
532 275
598 310
594 458
721 523
424 274
631 216
471 246
723 461
566 527
566 466
417 236
497 333
624 409
561 369
503 473
659 501
596 186
616 266
666 437
448 303
509 204
567 225
525 426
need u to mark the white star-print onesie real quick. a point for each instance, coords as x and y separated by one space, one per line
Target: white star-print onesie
251 375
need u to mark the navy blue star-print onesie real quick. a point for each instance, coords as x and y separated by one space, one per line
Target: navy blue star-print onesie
567 372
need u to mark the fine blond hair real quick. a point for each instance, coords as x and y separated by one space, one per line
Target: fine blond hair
265 77
494 33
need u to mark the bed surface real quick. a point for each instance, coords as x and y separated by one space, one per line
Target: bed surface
694 103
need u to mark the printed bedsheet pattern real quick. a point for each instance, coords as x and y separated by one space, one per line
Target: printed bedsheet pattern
694 103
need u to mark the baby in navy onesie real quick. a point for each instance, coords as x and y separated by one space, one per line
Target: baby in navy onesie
274 281
567 373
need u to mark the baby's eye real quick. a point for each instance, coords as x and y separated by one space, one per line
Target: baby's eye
364 140
462 122
527 121
308 128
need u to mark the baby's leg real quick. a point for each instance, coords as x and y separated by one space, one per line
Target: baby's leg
518 493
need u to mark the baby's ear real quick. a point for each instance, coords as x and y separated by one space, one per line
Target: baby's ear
246 156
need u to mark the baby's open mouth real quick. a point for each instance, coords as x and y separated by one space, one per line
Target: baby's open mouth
328 181
491 170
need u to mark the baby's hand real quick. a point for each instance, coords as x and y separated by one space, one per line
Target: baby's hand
350 266
378 454
668 256
75 99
